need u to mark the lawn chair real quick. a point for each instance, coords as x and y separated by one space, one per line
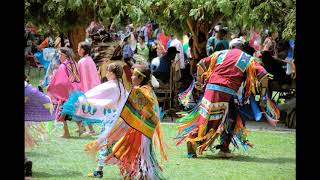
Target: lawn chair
33 62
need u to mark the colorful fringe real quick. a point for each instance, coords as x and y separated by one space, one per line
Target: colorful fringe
185 96
187 125
69 107
35 132
132 135
191 123
271 112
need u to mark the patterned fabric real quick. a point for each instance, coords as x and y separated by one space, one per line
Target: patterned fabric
243 61
38 106
99 104
218 114
53 57
133 134
186 96
62 83
220 88
72 71
38 109
127 51
139 108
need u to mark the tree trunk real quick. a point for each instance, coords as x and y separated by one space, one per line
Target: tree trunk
200 34
76 35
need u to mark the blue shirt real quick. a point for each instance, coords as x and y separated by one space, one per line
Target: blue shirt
127 51
209 43
290 51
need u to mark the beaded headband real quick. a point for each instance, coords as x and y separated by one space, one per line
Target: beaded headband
136 70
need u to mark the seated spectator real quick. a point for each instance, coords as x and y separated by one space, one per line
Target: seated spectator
160 66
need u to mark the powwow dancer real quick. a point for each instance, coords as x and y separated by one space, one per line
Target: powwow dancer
104 52
131 137
99 105
65 80
88 72
116 57
37 108
51 55
220 112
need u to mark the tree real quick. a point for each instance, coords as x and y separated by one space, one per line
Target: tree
70 16
178 16
73 16
200 16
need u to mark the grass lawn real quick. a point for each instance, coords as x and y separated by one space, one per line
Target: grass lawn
273 157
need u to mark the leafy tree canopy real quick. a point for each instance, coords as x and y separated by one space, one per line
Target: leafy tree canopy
172 15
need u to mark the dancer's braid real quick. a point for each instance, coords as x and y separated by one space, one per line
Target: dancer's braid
118 71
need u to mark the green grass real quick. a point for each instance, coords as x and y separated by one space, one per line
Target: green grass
273 157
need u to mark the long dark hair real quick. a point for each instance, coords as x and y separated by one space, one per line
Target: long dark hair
86 47
73 73
68 52
61 35
116 68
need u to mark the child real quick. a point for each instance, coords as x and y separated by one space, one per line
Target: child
114 95
88 72
65 80
129 140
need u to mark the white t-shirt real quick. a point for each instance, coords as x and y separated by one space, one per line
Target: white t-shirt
176 43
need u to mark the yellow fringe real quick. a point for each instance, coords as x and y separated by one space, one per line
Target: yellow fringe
211 66
92 148
251 77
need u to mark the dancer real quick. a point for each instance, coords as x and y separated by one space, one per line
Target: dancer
99 105
116 56
131 136
65 80
219 112
37 108
88 73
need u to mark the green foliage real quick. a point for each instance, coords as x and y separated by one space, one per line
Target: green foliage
172 15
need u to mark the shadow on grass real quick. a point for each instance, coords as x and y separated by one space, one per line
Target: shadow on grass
63 174
35 154
60 173
277 160
81 137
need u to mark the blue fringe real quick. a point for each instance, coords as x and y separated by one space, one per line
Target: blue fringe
70 106
86 121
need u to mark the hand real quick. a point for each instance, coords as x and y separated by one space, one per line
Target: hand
198 85
293 75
